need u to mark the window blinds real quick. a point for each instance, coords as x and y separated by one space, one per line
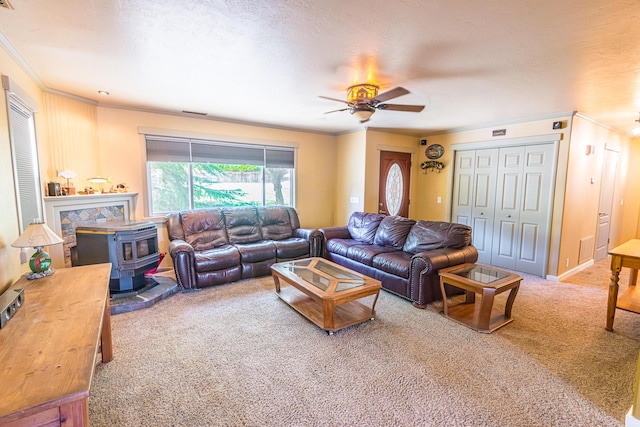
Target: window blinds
169 149
25 166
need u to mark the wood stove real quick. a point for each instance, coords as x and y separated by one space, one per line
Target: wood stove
130 246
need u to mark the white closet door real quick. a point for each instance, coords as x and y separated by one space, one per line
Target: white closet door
484 202
507 212
463 183
535 214
523 208
474 196
506 194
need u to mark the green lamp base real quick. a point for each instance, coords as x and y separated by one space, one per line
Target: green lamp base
40 264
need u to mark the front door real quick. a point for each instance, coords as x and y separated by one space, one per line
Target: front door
395 169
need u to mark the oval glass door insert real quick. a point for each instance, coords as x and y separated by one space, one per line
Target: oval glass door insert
394 189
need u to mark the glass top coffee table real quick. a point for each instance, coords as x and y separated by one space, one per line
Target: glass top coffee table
329 295
485 281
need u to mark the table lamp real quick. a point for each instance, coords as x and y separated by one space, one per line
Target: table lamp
37 235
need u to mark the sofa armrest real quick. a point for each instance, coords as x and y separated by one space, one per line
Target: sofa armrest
314 237
183 256
429 262
423 273
341 232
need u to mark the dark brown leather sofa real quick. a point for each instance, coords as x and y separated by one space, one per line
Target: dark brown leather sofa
221 245
405 255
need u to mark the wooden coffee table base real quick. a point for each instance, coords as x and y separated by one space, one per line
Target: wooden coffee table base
329 295
480 316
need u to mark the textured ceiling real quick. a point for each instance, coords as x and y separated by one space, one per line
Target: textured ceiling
266 62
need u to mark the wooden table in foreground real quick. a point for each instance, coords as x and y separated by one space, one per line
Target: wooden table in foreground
485 281
48 349
330 295
625 255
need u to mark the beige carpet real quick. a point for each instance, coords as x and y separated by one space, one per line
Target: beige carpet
235 355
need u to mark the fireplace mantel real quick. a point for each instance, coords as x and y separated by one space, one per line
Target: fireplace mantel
57 208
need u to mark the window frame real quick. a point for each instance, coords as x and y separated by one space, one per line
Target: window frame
24 154
185 154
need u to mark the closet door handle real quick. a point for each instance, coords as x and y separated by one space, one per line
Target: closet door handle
508 216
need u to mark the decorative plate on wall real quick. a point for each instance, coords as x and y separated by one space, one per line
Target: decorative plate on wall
434 151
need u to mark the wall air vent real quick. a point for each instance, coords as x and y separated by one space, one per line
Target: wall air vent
5 4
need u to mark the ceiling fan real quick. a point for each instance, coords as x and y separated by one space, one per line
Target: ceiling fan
363 100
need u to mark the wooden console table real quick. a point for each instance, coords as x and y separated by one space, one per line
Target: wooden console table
625 255
48 349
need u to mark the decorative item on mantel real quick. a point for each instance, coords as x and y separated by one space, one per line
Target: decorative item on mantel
37 235
431 165
97 180
67 174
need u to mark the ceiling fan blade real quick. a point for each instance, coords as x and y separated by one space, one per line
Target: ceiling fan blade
393 93
333 99
401 107
335 111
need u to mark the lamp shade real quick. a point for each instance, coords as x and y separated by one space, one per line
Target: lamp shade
37 235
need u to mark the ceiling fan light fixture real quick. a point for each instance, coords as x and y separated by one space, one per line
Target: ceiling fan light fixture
361 92
362 111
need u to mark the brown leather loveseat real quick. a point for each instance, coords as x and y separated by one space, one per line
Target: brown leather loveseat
405 255
221 245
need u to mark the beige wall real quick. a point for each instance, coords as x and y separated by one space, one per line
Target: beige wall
583 190
72 140
11 269
350 175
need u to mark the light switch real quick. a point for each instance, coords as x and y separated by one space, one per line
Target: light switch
439 199
354 199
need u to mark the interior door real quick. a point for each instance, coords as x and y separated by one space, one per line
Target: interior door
535 209
606 204
395 172
474 188
507 212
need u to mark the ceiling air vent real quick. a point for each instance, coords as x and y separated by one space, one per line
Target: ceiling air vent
190 112
5 4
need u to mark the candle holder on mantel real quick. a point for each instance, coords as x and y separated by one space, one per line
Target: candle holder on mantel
432 166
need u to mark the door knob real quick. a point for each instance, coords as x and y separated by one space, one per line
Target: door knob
508 216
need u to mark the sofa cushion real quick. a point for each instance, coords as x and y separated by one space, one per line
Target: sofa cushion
393 231
292 248
275 223
243 225
430 235
217 259
363 226
397 263
364 253
264 250
204 228
341 246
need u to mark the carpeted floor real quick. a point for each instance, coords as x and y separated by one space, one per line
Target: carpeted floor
235 355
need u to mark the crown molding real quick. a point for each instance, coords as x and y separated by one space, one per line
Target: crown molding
26 67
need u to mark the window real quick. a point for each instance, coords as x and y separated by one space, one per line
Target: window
192 173
24 154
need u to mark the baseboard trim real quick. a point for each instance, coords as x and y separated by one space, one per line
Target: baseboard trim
572 271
